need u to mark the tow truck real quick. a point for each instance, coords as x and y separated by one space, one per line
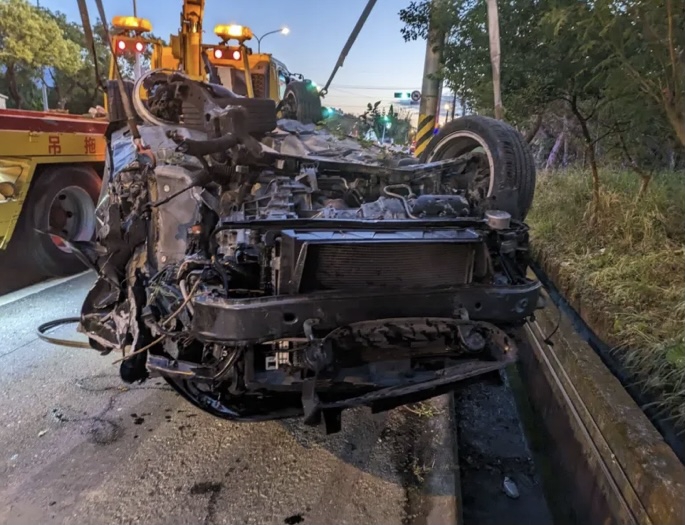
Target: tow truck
50 171
260 75
51 163
230 62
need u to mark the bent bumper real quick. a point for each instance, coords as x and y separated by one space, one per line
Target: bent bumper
257 320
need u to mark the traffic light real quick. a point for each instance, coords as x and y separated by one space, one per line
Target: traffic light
123 44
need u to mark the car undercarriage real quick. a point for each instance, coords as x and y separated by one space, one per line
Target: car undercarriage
263 285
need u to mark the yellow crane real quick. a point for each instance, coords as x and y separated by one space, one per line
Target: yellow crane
51 163
230 61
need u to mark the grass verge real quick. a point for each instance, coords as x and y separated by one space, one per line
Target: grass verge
626 272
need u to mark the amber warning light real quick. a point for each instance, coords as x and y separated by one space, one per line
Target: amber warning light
233 31
131 23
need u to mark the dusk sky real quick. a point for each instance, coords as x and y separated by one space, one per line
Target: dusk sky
380 61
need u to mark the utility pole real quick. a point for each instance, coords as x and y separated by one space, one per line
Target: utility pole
136 66
493 33
430 89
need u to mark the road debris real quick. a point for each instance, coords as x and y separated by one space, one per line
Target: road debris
59 416
510 488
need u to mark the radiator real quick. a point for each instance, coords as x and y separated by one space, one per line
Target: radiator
364 266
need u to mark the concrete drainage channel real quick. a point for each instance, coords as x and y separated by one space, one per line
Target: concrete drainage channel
471 462
556 439
464 458
610 461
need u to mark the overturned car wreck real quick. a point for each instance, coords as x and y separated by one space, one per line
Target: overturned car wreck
263 285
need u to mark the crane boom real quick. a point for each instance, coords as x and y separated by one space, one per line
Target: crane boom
191 37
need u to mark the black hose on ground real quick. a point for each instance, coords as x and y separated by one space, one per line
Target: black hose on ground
45 327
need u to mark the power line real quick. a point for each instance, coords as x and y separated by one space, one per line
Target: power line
334 94
445 93
398 106
384 88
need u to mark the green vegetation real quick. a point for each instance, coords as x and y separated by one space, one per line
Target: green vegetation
627 271
383 121
593 84
31 40
41 46
602 79
423 409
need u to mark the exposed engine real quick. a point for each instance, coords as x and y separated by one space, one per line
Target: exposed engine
264 285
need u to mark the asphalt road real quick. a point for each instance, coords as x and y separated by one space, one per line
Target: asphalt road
16 271
79 446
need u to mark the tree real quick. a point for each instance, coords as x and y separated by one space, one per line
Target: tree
83 90
645 39
30 41
526 85
80 91
28 86
388 123
591 62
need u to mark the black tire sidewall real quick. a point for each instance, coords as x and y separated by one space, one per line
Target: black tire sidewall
261 114
512 161
44 255
308 104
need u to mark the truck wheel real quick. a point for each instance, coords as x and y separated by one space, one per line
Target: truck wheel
61 201
501 171
302 102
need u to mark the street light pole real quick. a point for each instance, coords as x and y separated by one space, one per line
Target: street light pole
283 31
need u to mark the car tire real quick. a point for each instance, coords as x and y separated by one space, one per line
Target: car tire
61 200
301 101
511 167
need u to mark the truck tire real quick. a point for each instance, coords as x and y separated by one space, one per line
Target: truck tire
61 201
508 182
301 101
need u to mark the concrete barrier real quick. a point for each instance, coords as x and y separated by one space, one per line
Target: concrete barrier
441 485
615 466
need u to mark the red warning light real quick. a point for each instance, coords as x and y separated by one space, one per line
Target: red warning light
139 47
236 55
218 53
121 45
